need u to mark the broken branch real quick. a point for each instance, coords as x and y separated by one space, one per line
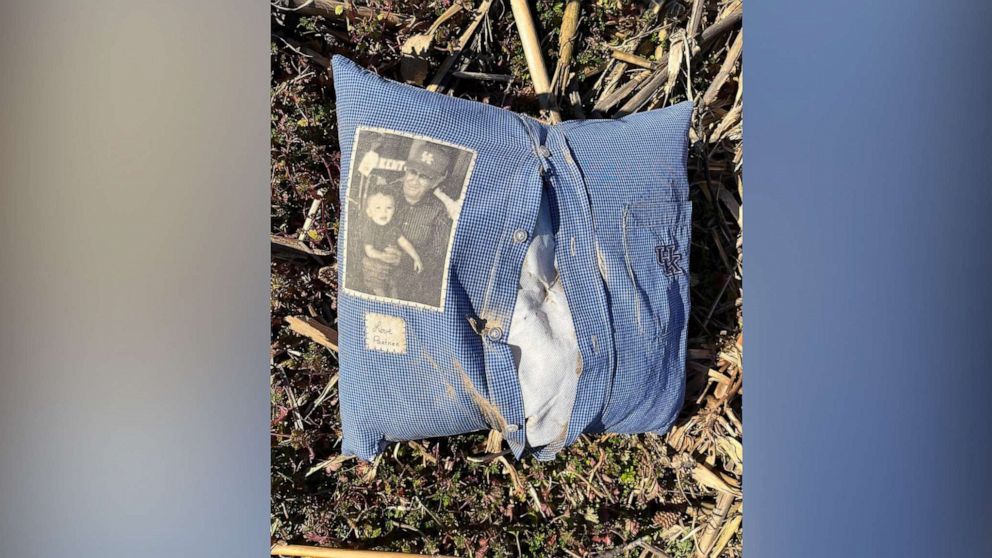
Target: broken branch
633 59
463 41
292 249
566 46
314 330
535 60
733 55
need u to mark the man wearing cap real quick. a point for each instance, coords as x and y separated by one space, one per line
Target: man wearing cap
424 221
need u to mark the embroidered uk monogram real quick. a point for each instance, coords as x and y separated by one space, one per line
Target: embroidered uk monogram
669 258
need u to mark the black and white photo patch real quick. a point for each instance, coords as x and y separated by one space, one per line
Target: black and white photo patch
404 199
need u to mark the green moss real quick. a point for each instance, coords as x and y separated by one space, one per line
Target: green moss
681 549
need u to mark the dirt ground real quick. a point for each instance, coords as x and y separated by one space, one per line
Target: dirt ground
675 495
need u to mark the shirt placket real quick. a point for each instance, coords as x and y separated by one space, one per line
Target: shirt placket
575 256
521 203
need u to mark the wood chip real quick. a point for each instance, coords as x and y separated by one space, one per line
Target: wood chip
316 331
414 64
633 59
293 249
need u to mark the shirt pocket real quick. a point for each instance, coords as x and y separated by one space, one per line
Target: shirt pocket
656 253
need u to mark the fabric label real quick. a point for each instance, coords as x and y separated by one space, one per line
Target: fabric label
385 333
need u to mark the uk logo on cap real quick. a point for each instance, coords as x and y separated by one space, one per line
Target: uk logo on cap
428 159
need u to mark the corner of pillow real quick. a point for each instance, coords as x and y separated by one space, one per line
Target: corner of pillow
684 120
340 62
686 107
343 71
366 449
347 74
683 116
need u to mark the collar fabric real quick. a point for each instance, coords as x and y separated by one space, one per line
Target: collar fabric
538 288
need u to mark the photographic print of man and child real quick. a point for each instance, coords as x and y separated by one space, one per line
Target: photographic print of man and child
404 196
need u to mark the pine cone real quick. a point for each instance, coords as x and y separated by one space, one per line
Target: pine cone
665 519
327 274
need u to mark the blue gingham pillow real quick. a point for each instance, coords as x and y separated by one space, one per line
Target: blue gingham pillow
499 273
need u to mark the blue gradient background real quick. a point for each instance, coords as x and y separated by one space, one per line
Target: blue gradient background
869 213
134 333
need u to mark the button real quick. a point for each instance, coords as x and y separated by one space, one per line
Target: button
512 427
519 236
495 334
543 151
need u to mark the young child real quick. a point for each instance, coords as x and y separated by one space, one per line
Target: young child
382 233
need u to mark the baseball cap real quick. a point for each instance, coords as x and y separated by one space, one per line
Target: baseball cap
428 159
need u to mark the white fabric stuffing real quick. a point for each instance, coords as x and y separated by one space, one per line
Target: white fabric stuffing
543 338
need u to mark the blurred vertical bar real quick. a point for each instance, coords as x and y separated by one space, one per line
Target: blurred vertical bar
134 292
867 132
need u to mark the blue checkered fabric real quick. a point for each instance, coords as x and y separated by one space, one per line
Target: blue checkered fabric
616 187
